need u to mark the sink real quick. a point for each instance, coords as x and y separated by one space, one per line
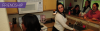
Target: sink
76 27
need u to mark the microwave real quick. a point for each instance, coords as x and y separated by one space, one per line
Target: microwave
31 6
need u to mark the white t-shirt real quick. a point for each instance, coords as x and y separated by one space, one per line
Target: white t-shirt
60 23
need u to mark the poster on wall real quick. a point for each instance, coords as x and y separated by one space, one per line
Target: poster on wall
75 0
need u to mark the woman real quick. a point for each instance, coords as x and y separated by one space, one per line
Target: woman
76 10
93 14
85 9
30 23
60 20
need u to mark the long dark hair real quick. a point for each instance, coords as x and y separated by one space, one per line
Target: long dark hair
59 11
31 22
87 6
77 6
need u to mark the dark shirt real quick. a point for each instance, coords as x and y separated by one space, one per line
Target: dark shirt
76 13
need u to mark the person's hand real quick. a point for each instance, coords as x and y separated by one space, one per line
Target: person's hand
74 30
71 11
85 17
79 14
93 18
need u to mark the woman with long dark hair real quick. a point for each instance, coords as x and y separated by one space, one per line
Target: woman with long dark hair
76 10
30 23
85 9
60 19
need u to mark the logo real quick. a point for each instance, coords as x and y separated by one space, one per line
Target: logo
12 4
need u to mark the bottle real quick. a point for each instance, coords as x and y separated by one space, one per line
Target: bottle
69 12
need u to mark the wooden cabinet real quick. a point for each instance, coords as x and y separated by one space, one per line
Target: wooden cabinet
11 10
49 5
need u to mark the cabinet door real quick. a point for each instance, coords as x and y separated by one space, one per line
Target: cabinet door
49 4
11 10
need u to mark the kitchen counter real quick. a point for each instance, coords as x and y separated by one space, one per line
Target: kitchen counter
89 20
91 25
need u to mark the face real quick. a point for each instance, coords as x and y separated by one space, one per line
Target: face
60 8
94 8
77 8
86 3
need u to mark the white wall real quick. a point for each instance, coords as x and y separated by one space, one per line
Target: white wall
48 14
4 25
67 2
79 2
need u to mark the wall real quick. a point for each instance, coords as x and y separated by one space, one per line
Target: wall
79 2
67 2
4 25
48 14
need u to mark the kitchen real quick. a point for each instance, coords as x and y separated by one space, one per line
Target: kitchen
48 7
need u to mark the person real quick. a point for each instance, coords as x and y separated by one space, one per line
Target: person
30 22
76 10
60 20
93 14
85 9
11 26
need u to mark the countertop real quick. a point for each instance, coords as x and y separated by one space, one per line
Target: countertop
92 25
89 20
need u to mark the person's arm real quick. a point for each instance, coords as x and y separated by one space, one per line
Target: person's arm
87 10
86 15
72 8
61 21
11 26
96 17
80 14
81 11
23 27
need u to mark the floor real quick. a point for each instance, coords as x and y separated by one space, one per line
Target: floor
49 25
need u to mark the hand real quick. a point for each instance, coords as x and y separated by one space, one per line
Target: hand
93 18
79 14
73 29
85 18
71 11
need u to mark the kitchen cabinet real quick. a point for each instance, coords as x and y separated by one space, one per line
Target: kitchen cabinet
49 5
11 10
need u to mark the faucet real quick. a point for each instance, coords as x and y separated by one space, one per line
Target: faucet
74 24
